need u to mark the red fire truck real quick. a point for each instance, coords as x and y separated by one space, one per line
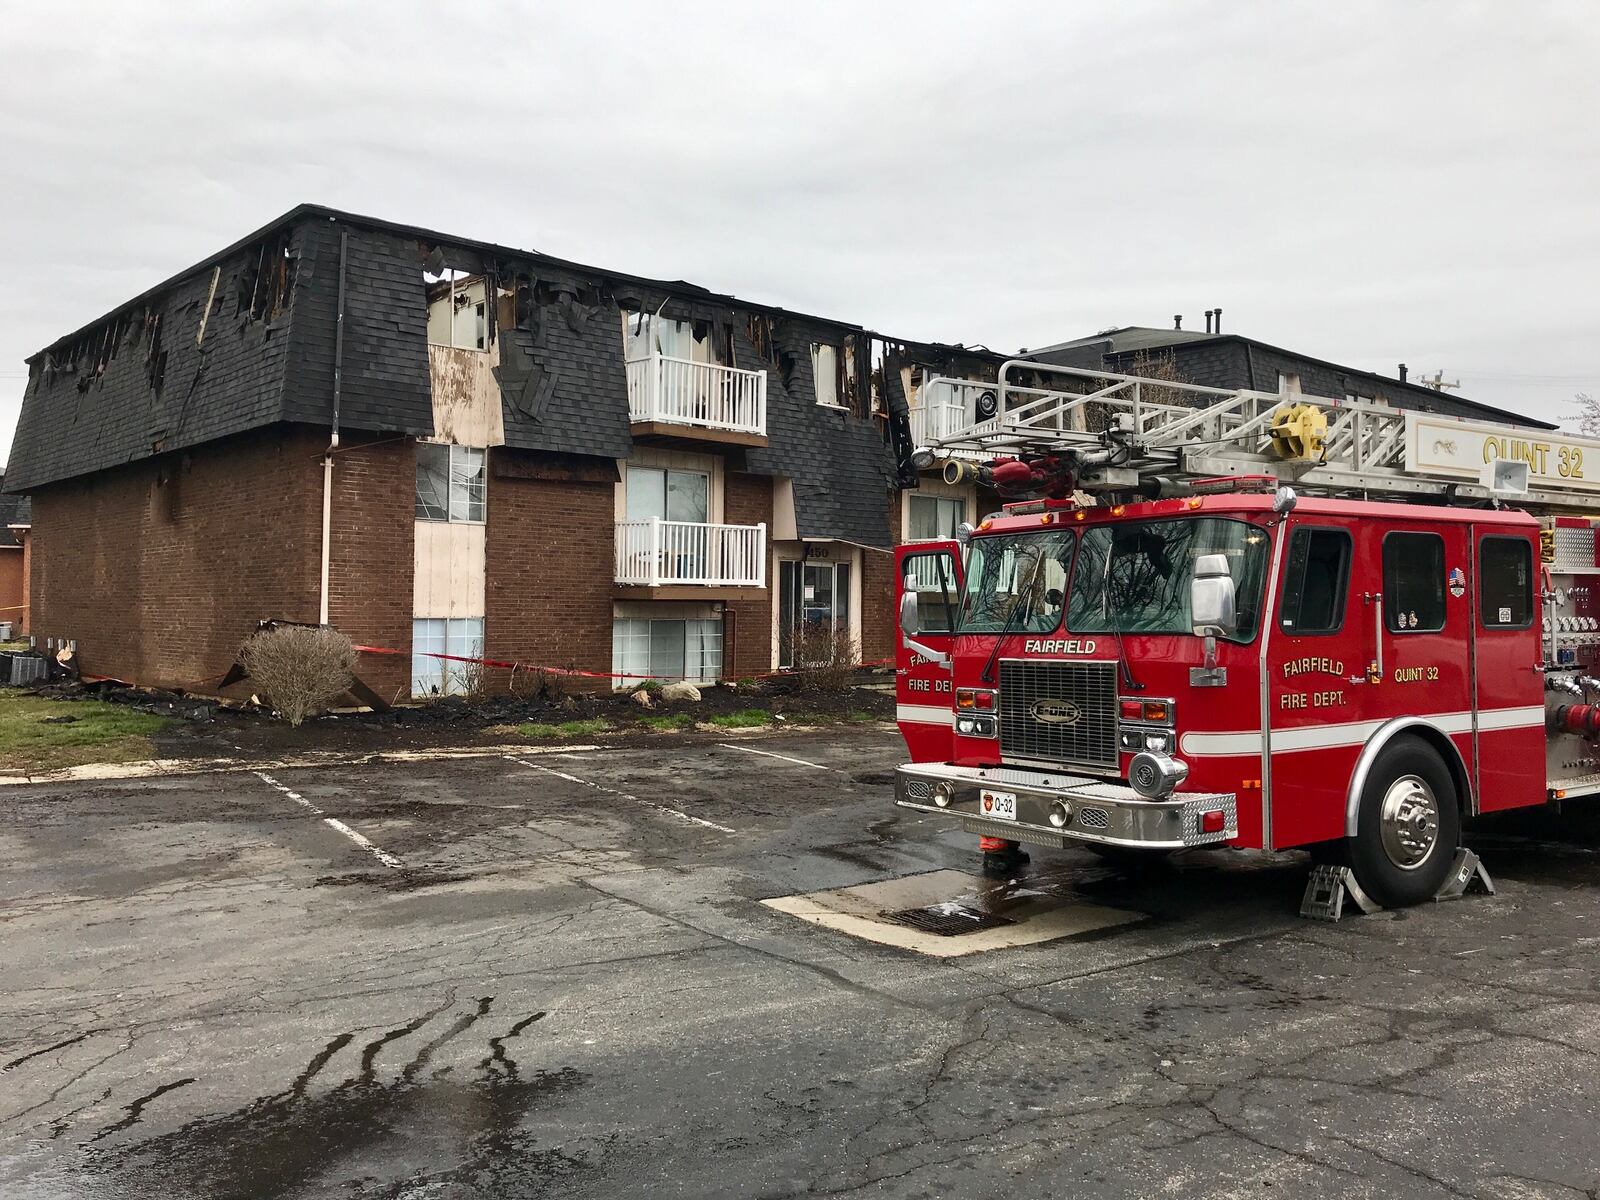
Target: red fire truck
1250 619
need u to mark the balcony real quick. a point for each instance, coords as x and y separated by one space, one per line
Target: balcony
685 556
679 398
949 408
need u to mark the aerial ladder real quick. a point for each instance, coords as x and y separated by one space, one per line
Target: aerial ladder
1049 430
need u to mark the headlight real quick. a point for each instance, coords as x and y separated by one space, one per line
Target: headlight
1155 776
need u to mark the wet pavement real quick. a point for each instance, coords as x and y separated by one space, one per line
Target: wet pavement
219 986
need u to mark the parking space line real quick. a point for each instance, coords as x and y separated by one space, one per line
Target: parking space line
382 856
769 754
610 791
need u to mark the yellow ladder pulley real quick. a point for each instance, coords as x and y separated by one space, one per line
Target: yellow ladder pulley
1298 431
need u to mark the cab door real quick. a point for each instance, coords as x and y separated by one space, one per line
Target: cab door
923 699
1508 679
1424 629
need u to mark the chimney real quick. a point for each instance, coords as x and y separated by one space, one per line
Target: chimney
1217 312
1177 320
1402 372
1208 320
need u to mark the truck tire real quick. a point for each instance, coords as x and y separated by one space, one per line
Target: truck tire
1408 825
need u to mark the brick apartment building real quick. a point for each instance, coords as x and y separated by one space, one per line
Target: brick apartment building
441 445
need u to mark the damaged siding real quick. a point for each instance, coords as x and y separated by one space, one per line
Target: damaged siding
839 463
144 381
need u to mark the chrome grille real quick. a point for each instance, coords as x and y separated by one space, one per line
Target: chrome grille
1085 690
1094 818
919 789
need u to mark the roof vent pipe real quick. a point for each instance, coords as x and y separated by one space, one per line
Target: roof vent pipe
1208 320
1177 320
1402 372
1217 313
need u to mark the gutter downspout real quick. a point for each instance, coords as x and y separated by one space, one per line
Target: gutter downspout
333 433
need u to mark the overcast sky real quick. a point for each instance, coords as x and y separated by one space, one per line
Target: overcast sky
1368 183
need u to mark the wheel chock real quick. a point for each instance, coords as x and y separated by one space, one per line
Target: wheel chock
1327 889
1466 875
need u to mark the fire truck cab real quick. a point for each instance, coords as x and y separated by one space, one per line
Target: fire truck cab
1246 664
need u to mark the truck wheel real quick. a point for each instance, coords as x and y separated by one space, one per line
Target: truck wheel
1408 825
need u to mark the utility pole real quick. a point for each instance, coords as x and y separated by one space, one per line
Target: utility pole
1438 382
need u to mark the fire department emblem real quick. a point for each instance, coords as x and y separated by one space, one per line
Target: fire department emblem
1458 581
1055 712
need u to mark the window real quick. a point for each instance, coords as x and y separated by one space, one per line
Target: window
1316 581
1288 385
1505 582
451 483
668 495
825 373
934 576
675 649
1016 583
1413 582
935 517
457 310
432 636
1136 577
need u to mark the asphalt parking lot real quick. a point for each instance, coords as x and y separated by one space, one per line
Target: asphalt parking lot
551 975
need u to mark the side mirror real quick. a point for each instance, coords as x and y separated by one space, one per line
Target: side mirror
908 606
1211 597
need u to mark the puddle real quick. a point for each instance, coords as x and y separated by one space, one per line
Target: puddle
278 1145
959 914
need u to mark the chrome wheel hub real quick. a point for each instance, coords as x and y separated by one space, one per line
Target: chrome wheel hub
1410 822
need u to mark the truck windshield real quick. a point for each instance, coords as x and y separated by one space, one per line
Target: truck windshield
1017 582
1135 578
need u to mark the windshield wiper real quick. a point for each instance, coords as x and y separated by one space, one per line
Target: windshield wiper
1005 629
1109 614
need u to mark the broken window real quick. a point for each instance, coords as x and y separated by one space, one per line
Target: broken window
268 280
452 483
880 402
825 372
644 334
458 309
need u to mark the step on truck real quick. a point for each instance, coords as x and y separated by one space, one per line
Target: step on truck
1245 619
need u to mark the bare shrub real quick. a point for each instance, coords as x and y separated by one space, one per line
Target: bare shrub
824 659
537 683
466 679
299 669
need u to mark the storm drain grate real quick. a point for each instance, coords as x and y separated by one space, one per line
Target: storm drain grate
947 920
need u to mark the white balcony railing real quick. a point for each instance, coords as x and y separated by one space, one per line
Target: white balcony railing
930 422
655 552
948 408
677 391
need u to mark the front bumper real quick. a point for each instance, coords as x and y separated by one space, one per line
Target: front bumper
1110 813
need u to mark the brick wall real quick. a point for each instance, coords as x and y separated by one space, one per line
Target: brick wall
370 567
549 570
160 569
879 620
747 500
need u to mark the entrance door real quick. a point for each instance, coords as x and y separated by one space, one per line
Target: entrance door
813 612
1507 675
924 704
